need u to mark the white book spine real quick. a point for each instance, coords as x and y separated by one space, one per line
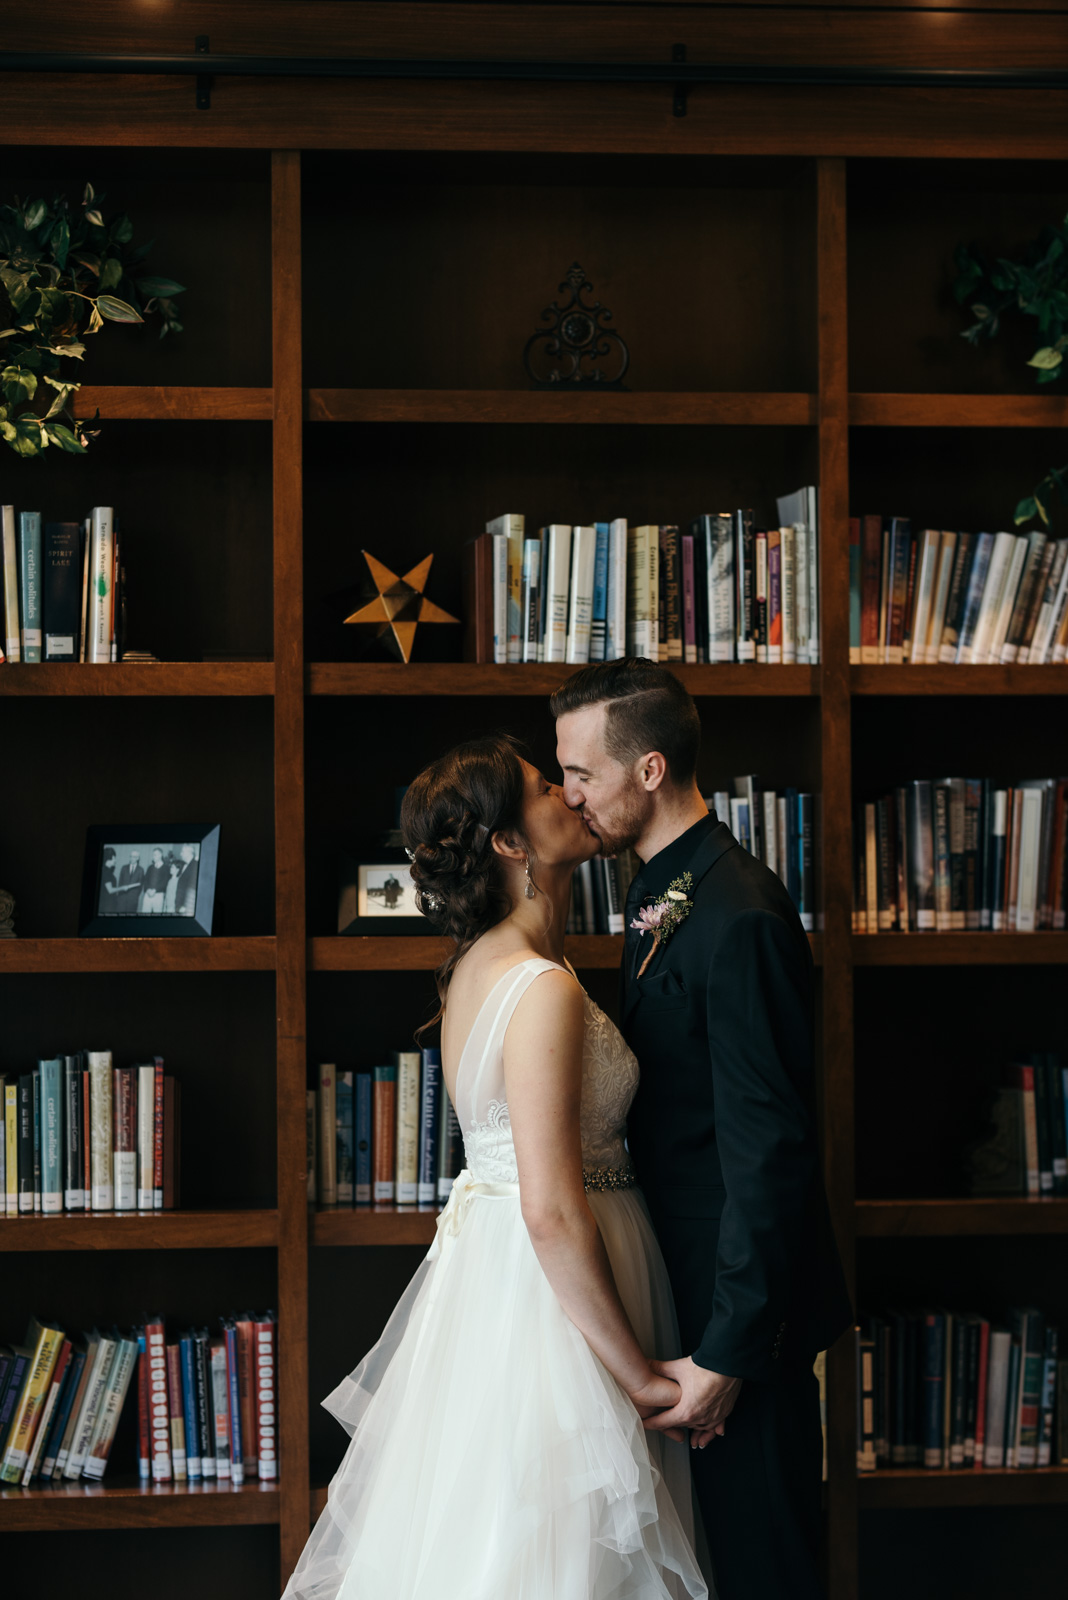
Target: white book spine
12 641
653 557
511 527
146 1136
556 591
1009 590
1060 630
220 1404
760 590
580 600
925 583
500 597
159 1422
107 1421
94 1398
266 1420
1057 588
801 591
640 639
616 644
946 556
721 593
789 595
990 605
408 1063
1027 874
771 831
101 581
99 1131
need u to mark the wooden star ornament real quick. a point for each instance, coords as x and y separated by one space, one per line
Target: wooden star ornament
399 606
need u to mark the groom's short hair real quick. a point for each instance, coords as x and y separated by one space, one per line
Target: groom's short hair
646 708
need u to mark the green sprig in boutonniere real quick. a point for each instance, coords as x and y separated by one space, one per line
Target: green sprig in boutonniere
664 917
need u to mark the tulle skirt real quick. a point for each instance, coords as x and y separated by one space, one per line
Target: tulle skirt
493 1457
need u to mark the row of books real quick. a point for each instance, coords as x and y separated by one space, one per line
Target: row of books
777 828
388 1136
61 587
955 1389
1026 1150
79 1134
598 892
949 854
720 590
206 1405
972 598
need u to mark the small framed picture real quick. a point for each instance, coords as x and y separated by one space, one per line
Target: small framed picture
145 881
378 897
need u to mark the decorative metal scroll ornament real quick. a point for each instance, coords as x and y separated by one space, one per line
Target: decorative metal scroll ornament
7 915
399 605
575 339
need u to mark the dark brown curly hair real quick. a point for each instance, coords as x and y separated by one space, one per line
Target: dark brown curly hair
448 818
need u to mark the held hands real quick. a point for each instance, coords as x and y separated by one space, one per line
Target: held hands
657 1396
706 1401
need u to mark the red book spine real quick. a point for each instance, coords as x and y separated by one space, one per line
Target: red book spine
871 569
144 1424
266 1406
980 1399
157 1138
245 1387
158 1401
176 1411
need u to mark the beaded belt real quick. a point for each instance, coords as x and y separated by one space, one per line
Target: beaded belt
600 1178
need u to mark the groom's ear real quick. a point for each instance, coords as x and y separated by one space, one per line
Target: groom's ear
651 770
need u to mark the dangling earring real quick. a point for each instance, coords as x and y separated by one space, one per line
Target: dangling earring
530 891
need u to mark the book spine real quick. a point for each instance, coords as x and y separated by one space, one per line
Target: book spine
775 597
12 640
119 1378
189 1408
363 1138
159 1133
62 577
96 1389
100 1129
11 1147
36 1168
124 1133
327 1135
980 568
1036 550
245 1333
760 595
237 1458
500 597
55 1457
557 583
599 613
616 646
146 1136
855 569
745 641
531 598
50 1399
158 1408
30 591
266 1402
934 1389
1047 1399
201 1351
406 1175
450 1148
580 598
806 903
812 537
1049 557
689 614
942 864
345 1135
176 1413
52 1141
101 584
220 1405
429 1114
1007 603
1002 548
956 598
789 595
802 592
900 545
384 1122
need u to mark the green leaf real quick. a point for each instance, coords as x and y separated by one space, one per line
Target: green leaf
121 230
86 260
28 440
116 310
96 321
34 215
87 194
61 435
1025 510
95 218
110 273
74 350
1047 357
159 286
14 379
60 241
7 431
1040 506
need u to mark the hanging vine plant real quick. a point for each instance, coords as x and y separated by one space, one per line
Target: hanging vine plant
64 272
1035 286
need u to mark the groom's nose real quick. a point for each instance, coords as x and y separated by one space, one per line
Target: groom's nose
573 794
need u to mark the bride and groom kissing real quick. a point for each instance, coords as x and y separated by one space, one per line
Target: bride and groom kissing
579 1360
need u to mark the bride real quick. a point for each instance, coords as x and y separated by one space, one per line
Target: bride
497 1448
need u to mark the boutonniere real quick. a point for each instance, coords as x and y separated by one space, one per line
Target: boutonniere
664 917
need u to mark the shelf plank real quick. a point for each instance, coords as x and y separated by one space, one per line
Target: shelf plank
999 680
466 678
958 411
959 949
532 406
367 1225
125 1502
182 678
248 954
141 1230
134 402
334 953
897 1488
986 1215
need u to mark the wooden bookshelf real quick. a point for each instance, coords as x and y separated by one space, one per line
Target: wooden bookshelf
225 467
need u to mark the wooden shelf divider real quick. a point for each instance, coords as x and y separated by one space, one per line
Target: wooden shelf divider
249 953
373 1225
138 403
422 953
526 407
125 1502
466 678
942 1218
142 1230
170 678
958 410
962 680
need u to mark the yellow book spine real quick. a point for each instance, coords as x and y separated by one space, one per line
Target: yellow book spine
11 1149
32 1399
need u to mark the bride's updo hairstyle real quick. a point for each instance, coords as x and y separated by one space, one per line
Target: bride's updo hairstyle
448 818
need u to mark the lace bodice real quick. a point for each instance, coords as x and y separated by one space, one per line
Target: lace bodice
609 1083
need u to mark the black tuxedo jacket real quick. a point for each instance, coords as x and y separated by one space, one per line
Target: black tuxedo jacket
723 1127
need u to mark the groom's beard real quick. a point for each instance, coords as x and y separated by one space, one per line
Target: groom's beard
622 830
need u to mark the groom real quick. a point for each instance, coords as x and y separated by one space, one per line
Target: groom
718 1008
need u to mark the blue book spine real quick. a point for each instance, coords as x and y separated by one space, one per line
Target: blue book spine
854 593
806 879
61 1415
599 615
346 1164
31 602
189 1408
429 1112
362 1115
934 1378
793 845
237 1457
11 1394
52 1142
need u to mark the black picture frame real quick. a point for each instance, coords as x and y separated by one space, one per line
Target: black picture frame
353 874
202 838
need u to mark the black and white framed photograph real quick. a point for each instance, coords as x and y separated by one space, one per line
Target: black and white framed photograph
148 880
376 897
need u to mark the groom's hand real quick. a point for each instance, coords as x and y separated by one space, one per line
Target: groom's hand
707 1400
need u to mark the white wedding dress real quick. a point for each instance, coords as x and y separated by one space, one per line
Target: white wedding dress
493 1456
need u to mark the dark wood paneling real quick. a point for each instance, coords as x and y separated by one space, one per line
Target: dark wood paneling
960 949
174 404
962 680
172 678
127 1503
217 954
374 1225
959 410
920 1489
929 1218
187 1229
465 678
505 406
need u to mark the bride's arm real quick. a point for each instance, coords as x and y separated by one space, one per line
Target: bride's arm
543 1077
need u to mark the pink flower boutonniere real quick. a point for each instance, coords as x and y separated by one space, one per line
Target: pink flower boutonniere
664 917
